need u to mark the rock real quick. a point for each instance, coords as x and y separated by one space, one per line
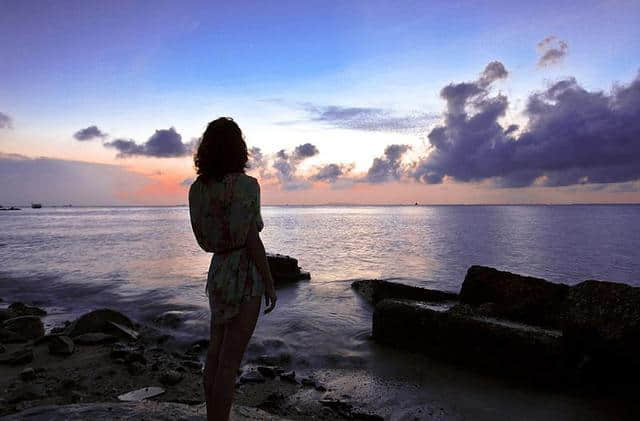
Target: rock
27 392
170 319
289 377
127 354
285 269
374 290
502 348
199 346
194 365
95 338
2 349
28 374
272 403
251 376
519 298
22 309
61 345
97 321
29 327
21 356
141 394
266 371
6 314
363 416
171 377
122 331
601 327
308 382
9 337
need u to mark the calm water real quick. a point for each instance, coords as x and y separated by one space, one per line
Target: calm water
145 261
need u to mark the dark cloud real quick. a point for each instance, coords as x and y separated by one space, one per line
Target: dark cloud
286 163
5 121
331 172
306 150
388 167
365 118
166 143
553 50
89 133
573 136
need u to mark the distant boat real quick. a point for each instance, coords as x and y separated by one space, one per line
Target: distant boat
36 205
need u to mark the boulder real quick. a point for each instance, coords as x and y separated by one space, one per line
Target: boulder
9 337
61 345
21 356
285 269
503 348
22 309
98 321
374 290
95 338
29 327
6 314
519 298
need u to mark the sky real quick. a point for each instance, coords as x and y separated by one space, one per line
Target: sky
363 102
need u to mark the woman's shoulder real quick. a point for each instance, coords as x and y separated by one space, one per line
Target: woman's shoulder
248 181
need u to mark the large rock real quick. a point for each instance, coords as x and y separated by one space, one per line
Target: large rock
61 345
489 344
285 269
29 327
602 323
21 309
98 321
374 290
520 298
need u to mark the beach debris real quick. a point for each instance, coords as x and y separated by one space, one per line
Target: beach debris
21 309
29 327
61 345
28 374
289 376
21 356
251 376
95 338
97 321
171 377
141 394
122 331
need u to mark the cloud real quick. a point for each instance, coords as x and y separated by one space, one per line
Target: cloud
166 143
285 165
89 133
5 121
389 166
306 150
367 118
553 50
573 136
75 182
331 172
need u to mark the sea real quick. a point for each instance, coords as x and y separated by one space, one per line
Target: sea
145 261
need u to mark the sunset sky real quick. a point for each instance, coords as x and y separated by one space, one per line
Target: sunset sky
395 102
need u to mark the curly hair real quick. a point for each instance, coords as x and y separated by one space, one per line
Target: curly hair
222 150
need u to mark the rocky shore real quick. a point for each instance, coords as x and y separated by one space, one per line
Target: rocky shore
584 336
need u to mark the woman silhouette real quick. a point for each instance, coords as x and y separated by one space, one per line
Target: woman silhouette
224 205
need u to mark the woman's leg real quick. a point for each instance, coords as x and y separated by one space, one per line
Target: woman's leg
234 342
211 364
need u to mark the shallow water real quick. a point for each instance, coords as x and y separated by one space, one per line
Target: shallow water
145 261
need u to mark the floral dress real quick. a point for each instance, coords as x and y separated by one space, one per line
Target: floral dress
221 213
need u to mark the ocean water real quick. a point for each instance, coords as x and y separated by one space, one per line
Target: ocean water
144 261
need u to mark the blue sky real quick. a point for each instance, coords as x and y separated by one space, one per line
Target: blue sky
132 68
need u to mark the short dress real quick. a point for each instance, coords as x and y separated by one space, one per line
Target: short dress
221 213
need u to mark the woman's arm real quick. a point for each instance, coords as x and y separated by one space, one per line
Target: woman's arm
256 252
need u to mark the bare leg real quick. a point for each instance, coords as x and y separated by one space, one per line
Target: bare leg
236 337
211 365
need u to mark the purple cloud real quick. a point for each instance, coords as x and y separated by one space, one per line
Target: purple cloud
89 133
166 143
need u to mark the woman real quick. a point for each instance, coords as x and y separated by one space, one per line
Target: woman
224 205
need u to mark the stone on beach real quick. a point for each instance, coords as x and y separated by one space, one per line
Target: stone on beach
375 290
285 269
98 321
29 327
22 309
61 345
171 377
95 338
21 356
